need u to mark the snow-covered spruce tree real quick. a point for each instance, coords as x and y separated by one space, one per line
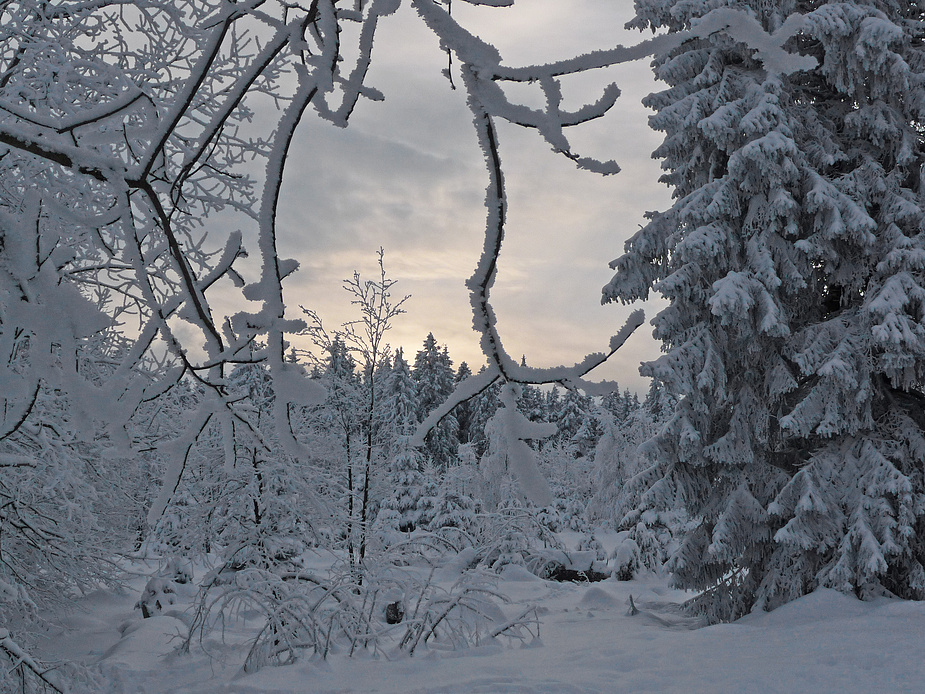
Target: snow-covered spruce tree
463 412
482 407
399 402
406 485
404 479
793 264
433 374
620 405
509 456
455 505
659 403
571 415
532 404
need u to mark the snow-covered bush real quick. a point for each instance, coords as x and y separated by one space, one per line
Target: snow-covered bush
514 534
393 605
589 543
627 560
454 505
158 595
174 579
465 614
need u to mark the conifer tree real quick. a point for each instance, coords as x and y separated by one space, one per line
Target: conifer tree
572 416
792 261
405 481
552 403
659 402
433 374
532 404
406 485
463 411
484 407
400 398
621 406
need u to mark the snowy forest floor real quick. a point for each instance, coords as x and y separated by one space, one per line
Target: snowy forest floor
589 642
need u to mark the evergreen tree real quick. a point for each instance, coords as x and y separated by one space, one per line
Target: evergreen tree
483 407
612 402
574 419
433 374
406 483
532 404
509 456
792 261
404 478
463 411
659 402
428 497
552 404
400 398
585 439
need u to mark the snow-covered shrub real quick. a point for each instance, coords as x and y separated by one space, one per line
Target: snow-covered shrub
179 570
572 514
626 560
514 534
390 605
453 510
467 613
654 533
551 517
160 592
23 673
386 530
589 543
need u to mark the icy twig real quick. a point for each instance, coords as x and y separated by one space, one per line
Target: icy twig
20 658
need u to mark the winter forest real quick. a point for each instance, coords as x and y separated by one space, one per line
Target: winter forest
206 485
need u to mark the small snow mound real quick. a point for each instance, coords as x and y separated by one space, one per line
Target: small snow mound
596 598
144 644
823 604
462 562
582 560
515 572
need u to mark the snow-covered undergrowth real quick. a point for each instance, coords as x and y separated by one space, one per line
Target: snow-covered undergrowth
573 638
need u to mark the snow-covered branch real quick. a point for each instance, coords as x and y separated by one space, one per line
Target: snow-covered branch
483 76
21 659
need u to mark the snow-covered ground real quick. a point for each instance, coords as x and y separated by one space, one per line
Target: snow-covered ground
825 642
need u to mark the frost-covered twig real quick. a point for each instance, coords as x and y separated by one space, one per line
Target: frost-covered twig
21 659
482 74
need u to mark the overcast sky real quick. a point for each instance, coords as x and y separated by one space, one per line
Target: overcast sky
407 175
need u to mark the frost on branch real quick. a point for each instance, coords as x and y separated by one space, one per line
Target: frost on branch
483 76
